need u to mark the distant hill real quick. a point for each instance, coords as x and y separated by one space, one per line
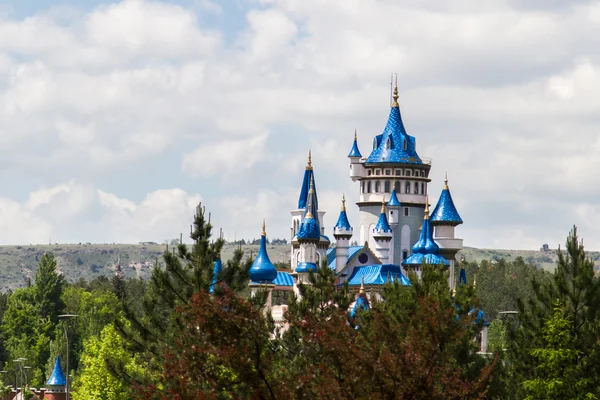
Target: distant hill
89 261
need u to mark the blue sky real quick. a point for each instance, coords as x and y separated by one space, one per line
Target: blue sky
117 117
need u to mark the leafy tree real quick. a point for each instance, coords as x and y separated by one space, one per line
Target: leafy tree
48 288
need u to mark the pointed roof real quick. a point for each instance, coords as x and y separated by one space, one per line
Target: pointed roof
462 274
394 145
309 176
57 378
394 202
262 270
309 227
383 224
445 212
426 249
342 222
217 270
354 152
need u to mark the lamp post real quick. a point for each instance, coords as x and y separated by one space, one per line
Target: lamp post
19 361
26 377
66 317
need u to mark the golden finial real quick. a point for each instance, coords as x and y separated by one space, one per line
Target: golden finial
362 285
264 231
474 281
395 96
454 288
426 207
343 202
383 205
463 260
446 181
309 165
355 136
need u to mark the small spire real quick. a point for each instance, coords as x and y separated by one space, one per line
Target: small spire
474 281
309 164
264 229
395 96
426 207
446 181
343 202
463 261
355 136
362 285
311 192
454 289
383 206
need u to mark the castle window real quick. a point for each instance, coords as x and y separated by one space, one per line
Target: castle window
422 188
377 186
407 172
369 172
397 186
363 258
404 254
387 187
407 188
404 144
369 187
377 172
398 172
406 211
388 143
388 171
416 188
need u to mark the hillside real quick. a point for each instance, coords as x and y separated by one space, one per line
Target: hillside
89 261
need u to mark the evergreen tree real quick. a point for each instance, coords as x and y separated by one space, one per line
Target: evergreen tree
49 286
576 288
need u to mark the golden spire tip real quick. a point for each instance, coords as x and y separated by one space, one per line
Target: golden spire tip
395 96
309 166
362 285
383 205
355 135
426 206
446 181
264 228
343 202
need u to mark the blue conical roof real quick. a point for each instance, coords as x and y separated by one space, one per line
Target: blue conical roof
354 152
445 212
309 227
342 222
262 270
426 249
217 269
57 378
394 145
394 202
309 177
382 224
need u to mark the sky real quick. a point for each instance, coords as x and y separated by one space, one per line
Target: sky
117 118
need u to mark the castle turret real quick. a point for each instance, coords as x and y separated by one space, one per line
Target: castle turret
393 207
357 170
308 238
56 385
445 219
383 236
342 232
262 272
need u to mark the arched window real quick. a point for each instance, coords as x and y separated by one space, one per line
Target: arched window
397 187
374 143
377 186
387 187
416 187
388 143
422 188
369 187
407 188
404 144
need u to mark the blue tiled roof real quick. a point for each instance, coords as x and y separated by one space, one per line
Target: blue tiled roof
354 152
342 222
382 224
325 239
426 249
417 259
352 251
389 147
445 212
377 275
217 269
361 304
462 276
283 279
394 202
303 199
57 378
262 270
309 229
306 267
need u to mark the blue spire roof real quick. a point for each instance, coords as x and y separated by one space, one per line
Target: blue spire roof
361 304
309 176
426 249
262 270
306 266
217 269
309 228
354 152
382 223
445 212
394 145
394 202
342 222
57 378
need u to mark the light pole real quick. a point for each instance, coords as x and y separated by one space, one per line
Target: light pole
19 369
66 317
26 368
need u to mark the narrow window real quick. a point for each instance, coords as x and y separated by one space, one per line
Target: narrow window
406 212
407 172
388 143
422 188
374 143
407 188
404 254
377 186
416 188
388 171
377 172
404 144
369 187
369 172
397 186
399 172
387 187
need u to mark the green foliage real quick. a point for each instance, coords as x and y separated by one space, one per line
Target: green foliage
48 288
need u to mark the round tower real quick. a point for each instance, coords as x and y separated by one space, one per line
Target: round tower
56 385
342 232
384 238
308 238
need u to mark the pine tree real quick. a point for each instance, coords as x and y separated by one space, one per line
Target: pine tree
576 288
49 285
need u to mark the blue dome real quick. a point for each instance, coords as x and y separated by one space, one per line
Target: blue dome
217 269
262 270
394 145
306 267
382 224
394 202
354 152
426 249
57 378
445 212
309 229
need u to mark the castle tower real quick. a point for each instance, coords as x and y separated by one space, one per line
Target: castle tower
425 251
308 238
342 232
393 162
262 272
445 219
299 213
384 238
56 385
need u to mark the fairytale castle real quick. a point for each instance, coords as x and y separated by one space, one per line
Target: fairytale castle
396 231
